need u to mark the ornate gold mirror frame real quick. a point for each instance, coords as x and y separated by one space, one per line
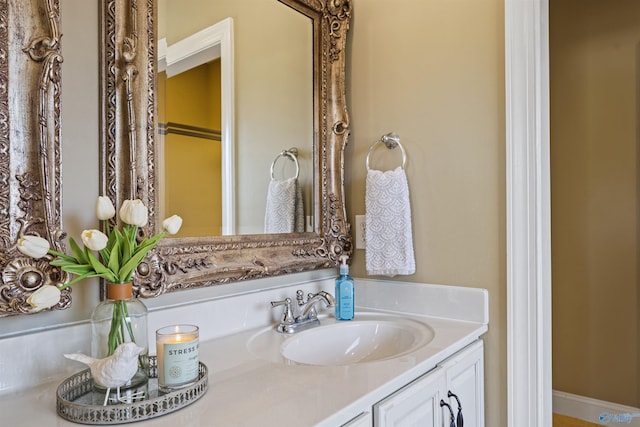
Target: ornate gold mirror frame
128 155
30 193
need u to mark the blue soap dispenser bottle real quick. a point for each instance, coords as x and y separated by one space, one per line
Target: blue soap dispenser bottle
344 292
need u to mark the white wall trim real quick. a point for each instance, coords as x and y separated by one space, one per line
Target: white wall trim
588 409
199 48
529 397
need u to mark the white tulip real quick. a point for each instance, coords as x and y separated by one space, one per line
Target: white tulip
104 208
45 297
134 212
172 224
95 240
33 246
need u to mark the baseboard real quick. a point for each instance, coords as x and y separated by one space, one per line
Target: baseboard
593 410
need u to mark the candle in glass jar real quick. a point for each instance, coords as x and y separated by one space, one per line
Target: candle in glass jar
177 355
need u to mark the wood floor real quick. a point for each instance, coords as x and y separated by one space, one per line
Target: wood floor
564 421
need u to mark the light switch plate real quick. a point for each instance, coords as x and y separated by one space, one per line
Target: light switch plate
361 229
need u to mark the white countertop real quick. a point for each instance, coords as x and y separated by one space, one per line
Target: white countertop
246 389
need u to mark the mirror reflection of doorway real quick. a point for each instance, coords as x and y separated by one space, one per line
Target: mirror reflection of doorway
198 73
190 123
594 100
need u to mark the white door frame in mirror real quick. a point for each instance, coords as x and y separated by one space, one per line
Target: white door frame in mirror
529 385
204 46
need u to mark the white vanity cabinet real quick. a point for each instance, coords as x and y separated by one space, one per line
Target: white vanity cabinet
418 403
363 420
464 372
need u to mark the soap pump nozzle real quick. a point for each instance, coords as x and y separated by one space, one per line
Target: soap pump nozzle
344 267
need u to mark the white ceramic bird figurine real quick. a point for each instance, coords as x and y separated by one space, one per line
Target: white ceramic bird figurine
115 370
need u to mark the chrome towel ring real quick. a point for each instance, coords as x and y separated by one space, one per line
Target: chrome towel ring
391 140
292 154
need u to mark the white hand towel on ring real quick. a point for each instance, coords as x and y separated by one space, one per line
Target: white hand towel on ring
389 239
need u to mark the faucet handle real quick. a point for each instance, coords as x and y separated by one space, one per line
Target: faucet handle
300 297
287 315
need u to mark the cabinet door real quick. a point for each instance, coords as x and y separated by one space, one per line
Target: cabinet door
464 374
415 405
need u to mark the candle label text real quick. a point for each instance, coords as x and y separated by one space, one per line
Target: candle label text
180 363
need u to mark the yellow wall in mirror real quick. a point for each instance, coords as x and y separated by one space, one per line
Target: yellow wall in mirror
594 186
192 164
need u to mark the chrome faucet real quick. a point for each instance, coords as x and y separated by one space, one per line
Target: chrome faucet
308 308
307 317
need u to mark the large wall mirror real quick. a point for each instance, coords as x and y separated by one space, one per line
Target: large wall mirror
30 160
288 124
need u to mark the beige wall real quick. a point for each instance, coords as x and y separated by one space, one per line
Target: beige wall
433 71
594 168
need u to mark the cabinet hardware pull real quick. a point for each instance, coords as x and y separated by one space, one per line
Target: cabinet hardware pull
459 419
452 418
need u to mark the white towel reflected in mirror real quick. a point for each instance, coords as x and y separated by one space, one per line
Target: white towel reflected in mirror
285 207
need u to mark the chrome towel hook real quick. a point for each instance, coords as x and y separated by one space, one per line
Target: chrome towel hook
391 140
292 154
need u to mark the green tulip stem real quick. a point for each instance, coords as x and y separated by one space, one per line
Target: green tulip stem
107 227
120 326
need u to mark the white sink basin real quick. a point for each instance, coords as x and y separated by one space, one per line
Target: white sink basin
355 341
368 338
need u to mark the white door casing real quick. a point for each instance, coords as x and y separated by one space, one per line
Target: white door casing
529 387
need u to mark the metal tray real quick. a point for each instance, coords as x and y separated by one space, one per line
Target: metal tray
77 400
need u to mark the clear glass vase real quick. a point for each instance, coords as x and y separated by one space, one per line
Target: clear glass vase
118 319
